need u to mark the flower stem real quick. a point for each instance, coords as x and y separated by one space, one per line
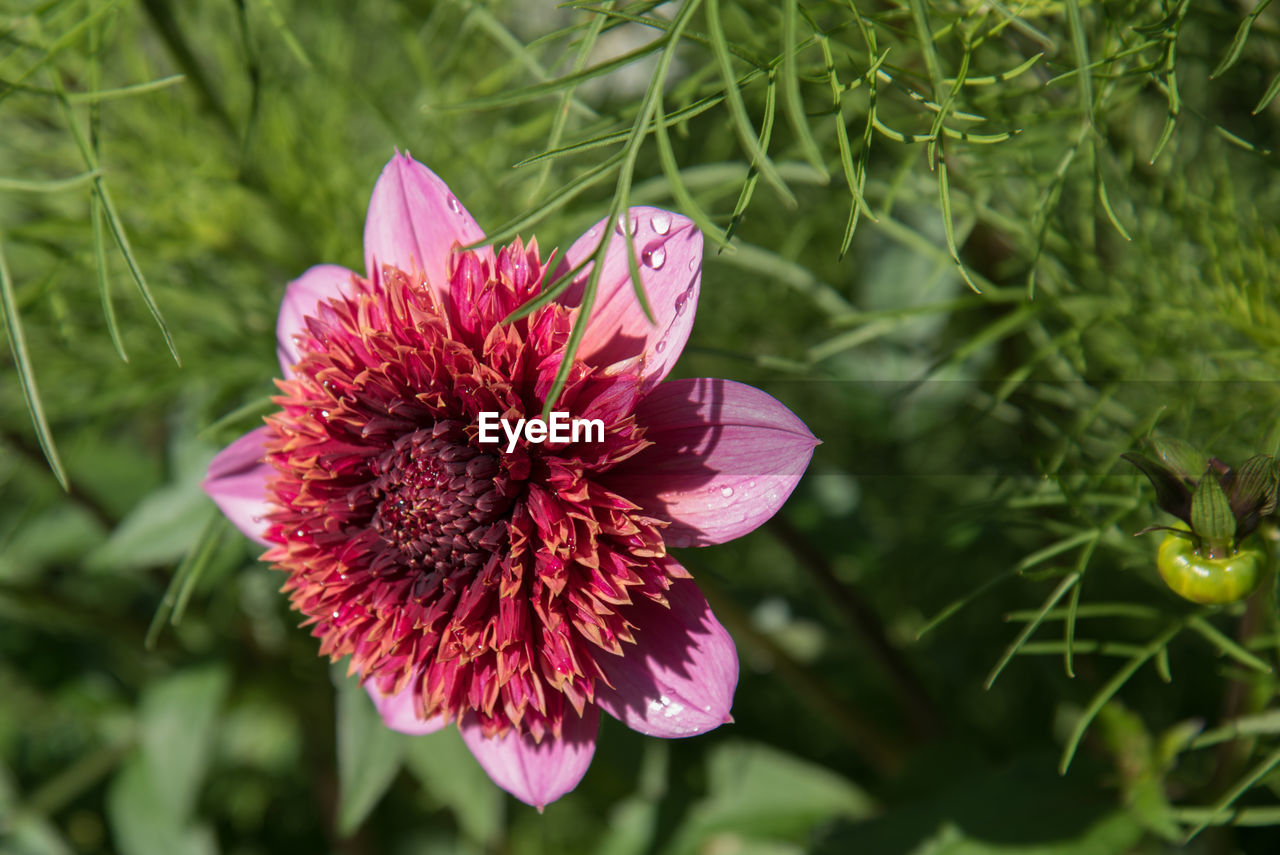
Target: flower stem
907 685
881 751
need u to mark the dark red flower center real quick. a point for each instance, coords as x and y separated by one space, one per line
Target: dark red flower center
440 500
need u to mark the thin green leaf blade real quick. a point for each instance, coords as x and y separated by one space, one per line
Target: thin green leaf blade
1267 97
792 103
1237 43
1108 691
738 109
26 372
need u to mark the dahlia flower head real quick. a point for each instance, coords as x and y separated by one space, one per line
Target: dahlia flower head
514 587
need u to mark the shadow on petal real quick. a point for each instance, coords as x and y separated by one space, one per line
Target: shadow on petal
725 457
399 711
679 678
537 773
669 259
414 223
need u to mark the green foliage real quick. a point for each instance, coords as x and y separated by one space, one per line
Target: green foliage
1021 810
151 801
369 756
983 249
451 777
760 797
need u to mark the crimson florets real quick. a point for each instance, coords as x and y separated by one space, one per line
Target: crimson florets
485 579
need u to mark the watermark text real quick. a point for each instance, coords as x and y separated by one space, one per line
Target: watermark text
560 427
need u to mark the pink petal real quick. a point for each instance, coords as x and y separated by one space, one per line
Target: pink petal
679 678
725 458
536 773
237 483
669 256
398 711
414 223
320 283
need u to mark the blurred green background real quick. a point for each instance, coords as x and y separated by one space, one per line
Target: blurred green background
982 248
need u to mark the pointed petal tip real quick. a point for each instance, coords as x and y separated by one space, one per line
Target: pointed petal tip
536 773
680 677
237 482
725 458
414 221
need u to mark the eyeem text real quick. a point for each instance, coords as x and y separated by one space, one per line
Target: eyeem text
559 428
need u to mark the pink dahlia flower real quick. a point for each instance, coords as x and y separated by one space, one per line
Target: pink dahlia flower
515 588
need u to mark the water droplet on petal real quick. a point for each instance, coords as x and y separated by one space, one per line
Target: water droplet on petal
693 262
454 205
655 257
660 346
665 706
661 223
751 483
622 219
726 491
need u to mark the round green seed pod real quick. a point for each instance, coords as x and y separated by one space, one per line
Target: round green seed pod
1209 580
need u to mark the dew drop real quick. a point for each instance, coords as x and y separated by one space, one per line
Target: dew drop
655 257
665 706
751 484
455 205
622 219
726 491
680 301
693 262
661 223
661 346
